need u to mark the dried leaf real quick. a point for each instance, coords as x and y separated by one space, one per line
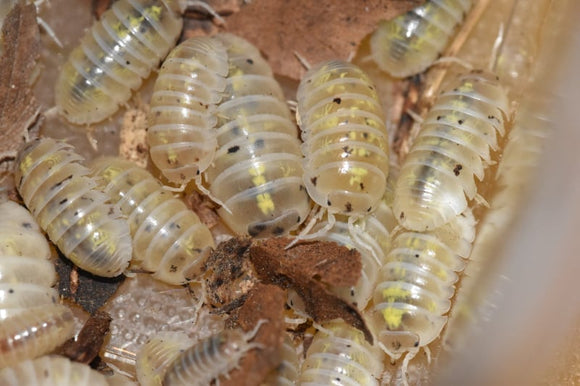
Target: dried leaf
89 340
18 107
316 30
309 268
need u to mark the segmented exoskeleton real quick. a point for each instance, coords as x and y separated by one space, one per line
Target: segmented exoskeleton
51 371
115 55
69 207
32 323
168 238
410 43
416 284
181 135
257 170
340 355
452 147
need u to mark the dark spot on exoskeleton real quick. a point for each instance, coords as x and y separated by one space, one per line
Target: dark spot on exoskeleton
348 207
60 182
158 113
417 255
402 216
127 62
337 100
301 187
337 379
439 117
26 225
10 291
457 169
64 200
196 172
236 130
328 203
396 345
298 219
173 268
369 208
45 373
278 231
249 61
347 150
259 144
174 225
178 100
351 292
111 211
233 149
148 228
255 230
416 344
460 121
76 213
362 186
365 135
313 180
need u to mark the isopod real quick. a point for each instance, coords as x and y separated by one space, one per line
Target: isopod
32 323
410 43
452 147
181 136
286 373
416 284
340 355
168 238
211 358
115 55
51 370
345 139
66 203
257 169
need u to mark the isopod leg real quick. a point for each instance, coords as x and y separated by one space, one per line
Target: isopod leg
202 4
204 190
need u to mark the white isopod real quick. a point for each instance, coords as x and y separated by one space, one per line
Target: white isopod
32 323
168 238
257 169
340 355
115 55
68 206
452 147
416 284
51 371
181 135
410 43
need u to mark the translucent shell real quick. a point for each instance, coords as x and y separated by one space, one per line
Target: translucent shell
114 56
453 147
416 284
65 201
410 43
257 169
345 139
340 355
51 371
287 372
181 136
209 359
168 238
31 322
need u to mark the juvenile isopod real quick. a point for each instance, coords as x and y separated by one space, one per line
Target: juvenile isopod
416 284
51 371
257 169
168 238
452 147
410 43
32 323
345 139
66 203
115 55
181 135
340 355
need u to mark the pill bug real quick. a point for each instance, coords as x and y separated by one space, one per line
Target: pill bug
155 356
51 370
168 238
115 55
257 169
31 322
345 140
340 355
410 43
211 358
416 284
66 203
181 136
452 147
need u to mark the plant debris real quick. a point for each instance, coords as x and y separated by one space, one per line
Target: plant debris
316 30
309 269
264 302
18 107
89 340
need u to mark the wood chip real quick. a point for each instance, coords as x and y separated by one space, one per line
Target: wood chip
88 343
18 107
